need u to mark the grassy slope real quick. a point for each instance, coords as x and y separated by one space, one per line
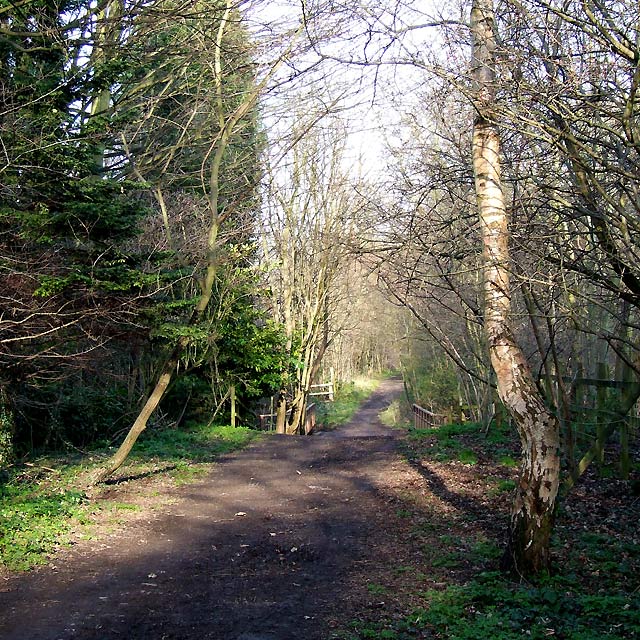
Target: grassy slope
40 505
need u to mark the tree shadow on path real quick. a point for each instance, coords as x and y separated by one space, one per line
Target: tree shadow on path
269 546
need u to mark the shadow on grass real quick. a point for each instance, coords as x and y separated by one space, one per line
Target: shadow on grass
469 507
140 476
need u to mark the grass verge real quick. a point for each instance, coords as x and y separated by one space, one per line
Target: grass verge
42 502
491 607
349 397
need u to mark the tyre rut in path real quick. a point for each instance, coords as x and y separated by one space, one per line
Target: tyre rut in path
267 547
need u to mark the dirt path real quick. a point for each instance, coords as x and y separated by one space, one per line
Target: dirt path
279 542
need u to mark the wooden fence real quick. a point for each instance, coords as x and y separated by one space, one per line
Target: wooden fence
424 419
593 413
268 420
323 390
327 389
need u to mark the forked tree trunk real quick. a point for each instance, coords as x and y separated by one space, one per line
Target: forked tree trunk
298 408
535 497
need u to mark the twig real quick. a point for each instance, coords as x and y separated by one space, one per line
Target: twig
37 466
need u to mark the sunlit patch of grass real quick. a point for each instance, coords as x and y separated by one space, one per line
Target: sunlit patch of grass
198 443
348 399
35 520
491 606
122 506
508 461
467 456
393 416
39 507
464 443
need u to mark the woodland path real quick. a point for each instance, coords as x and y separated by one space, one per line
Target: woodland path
279 542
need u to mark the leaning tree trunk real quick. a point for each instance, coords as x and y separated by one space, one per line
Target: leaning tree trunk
212 189
534 502
167 371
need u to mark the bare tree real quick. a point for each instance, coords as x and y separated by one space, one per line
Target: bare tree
310 221
533 508
228 122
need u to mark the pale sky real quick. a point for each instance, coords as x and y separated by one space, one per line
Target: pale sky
367 97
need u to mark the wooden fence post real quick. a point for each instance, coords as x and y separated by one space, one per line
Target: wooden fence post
232 393
569 398
625 457
579 402
601 401
310 419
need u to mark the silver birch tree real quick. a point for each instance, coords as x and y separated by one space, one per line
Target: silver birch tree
537 488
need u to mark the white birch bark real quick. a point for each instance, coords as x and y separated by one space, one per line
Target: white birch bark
535 496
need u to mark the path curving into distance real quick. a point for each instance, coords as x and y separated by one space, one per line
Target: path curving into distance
274 544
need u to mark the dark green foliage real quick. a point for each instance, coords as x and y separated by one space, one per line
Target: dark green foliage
85 413
610 560
74 413
431 378
100 211
96 295
243 350
62 226
7 431
252 350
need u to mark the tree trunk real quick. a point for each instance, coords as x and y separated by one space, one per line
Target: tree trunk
297 407
160 388
7 429
211 186
534 502
281 413
232 394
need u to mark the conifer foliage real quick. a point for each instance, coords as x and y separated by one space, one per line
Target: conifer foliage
110 117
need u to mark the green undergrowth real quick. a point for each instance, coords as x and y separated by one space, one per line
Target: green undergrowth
491 606
453 590
394 415
198 443
44 501
34 520
349 397
468 443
